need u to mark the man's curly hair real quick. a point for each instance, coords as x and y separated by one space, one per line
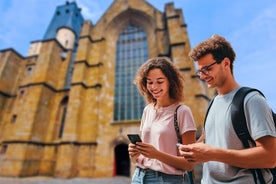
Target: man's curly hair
216 45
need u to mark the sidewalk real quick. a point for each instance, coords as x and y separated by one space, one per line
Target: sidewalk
49 180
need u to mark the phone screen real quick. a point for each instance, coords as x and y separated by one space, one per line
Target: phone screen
134 138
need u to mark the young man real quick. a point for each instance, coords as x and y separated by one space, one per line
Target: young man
225 159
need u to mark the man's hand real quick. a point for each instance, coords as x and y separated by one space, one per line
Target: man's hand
198 152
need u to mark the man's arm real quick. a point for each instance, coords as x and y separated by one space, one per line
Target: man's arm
261 156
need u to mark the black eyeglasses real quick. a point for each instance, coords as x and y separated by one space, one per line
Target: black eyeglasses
206 69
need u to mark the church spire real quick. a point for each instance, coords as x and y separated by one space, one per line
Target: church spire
65 25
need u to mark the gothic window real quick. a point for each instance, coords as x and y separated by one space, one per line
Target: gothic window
131 53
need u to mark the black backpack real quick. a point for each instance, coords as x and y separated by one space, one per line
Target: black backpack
239 124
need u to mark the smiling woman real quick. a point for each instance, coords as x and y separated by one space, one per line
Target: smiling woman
156 157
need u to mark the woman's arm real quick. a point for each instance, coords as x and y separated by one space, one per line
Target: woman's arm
177 162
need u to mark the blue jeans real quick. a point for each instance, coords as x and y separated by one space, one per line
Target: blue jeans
148 176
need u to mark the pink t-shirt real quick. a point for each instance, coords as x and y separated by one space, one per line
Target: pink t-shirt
157 129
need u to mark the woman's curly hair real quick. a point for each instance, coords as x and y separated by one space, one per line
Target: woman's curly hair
175 78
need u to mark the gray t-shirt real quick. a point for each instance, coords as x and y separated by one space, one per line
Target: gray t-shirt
220 133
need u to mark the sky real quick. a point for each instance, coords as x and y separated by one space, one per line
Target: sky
249 25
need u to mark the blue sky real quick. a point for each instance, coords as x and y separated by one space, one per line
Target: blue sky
250 25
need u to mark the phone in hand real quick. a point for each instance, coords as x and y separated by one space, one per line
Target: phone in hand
134 138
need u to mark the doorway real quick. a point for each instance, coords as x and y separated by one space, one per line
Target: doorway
122 161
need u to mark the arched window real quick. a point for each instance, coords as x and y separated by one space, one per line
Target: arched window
131 53
60 119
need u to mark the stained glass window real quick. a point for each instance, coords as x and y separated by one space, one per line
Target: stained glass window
131 53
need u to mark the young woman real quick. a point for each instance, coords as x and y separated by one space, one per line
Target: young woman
156 157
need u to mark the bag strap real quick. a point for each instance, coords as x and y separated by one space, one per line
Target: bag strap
238 116
207 112
179 138
240 126
176 127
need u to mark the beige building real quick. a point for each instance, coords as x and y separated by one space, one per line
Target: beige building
65 109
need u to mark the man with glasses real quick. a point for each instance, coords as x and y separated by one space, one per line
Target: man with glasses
225 159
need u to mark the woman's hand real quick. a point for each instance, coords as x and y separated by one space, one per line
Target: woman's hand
133 152
147 150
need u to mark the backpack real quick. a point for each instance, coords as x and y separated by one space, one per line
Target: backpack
240 126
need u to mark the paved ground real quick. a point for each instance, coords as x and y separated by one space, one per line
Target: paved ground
49 180
46 180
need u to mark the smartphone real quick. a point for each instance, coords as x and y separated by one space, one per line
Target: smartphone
134 138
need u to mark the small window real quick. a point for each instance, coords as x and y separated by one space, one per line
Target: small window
29 70
14 117
63 55
22 92
4 149
56 150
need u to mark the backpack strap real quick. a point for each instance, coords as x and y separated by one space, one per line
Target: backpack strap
207 112
179 138
176 127
238 116
240 126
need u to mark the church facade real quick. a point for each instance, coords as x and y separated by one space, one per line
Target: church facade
66 108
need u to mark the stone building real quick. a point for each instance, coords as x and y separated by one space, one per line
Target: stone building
66 107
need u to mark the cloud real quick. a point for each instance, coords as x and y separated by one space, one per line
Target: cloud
255 47
19 21
260 31
92 10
